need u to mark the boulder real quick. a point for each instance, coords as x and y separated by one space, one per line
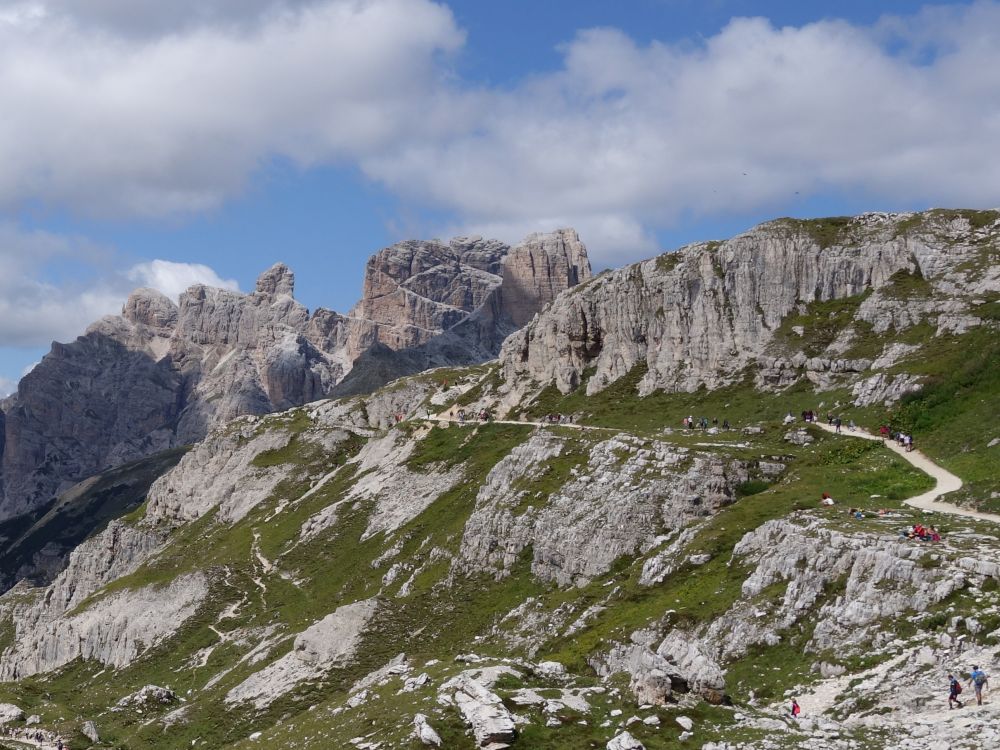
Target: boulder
625 741
9 712
89 730
424 732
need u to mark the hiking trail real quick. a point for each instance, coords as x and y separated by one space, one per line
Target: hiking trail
945 481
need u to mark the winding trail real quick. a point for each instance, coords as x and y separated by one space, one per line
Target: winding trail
945 481
471 422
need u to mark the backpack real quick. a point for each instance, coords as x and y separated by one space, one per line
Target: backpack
957 687
980 679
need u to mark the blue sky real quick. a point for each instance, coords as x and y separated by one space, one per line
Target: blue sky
203 140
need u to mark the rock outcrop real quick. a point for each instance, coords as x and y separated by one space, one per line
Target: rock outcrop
114 630
163 374
574 534
702 315
326 644
416 290
539 270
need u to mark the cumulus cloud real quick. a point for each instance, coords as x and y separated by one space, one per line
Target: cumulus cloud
38 306
114 125
134 17
173 278
143 109
632 137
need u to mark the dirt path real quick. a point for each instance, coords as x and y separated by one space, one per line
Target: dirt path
946 481
476 422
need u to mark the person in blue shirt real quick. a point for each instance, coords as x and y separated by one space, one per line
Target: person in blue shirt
978 680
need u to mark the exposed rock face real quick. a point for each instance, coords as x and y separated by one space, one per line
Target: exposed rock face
575 534
883 579
163 374
157 376
414 291
326 644
539 270
702 315
114 630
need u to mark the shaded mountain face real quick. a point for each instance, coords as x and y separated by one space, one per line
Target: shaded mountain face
162 374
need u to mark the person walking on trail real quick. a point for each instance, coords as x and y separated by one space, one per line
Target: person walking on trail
796 709
954 690
837 423
978 680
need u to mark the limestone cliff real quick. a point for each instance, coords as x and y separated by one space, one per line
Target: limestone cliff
163 374
709 313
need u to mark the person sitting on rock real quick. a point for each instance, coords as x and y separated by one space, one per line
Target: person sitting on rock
826 499
935 535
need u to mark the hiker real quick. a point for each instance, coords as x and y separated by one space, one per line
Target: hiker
954 688
883 432
796 709
826 499
909 443
836 423
788 418
935 535
725 424
852 426
978 680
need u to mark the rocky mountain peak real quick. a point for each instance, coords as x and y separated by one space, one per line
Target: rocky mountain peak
277 280
163 374
151 308
539 269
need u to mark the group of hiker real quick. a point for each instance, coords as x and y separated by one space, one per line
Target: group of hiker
831 419
556 418
921 533
978 680
902 439
690 423
483 415
40 737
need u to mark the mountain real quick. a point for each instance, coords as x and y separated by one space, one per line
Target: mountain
161 374
388 570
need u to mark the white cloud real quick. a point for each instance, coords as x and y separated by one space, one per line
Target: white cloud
111 124
152 109
135 17
907 111
37 306
173 278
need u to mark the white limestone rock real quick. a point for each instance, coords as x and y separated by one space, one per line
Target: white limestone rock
625 741
9 713
114 630
425 732
326 644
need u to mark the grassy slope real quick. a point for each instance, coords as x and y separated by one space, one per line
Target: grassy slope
443 617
